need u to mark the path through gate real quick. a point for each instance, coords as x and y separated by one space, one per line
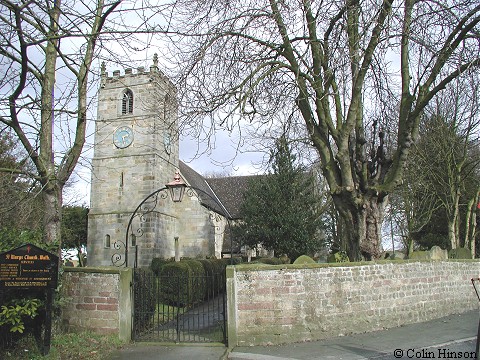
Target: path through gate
170 309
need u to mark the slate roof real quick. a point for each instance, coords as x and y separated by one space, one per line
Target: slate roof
231 190
222 195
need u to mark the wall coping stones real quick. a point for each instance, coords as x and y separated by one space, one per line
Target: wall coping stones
257 267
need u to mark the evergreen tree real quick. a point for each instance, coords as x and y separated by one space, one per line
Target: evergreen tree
74 230
280 210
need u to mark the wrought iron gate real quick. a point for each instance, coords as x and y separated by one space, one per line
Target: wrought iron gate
167 310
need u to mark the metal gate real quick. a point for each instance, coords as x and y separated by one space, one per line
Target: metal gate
170 309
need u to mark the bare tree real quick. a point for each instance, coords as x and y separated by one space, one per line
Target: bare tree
442 173
458 110
20 209
46 52
352 76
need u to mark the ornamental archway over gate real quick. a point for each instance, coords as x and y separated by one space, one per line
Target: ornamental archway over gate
161 313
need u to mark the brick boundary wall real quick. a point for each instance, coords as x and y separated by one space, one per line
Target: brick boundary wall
97 299
290 303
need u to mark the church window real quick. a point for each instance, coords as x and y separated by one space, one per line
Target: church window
134 240
127 102
107 241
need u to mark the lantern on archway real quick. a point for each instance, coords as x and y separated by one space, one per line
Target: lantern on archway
176 187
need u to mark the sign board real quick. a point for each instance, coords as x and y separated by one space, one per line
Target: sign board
28 266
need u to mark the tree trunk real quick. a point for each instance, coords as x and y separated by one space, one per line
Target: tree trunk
363 225
52 201
454 220
451 233
453 223
471 224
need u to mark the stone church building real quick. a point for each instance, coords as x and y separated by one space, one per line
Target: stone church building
136 153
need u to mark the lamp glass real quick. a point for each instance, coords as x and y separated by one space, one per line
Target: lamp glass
176 192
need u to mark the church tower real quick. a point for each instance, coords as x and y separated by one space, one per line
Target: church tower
135 154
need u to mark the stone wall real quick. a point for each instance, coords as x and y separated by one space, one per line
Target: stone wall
98 300
289 303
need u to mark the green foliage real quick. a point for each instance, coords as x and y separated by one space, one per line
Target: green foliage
176 284
13 313
230 261
420 255
74 228
208 266
187 282
459 253
78 346
157 264
197 281
304 259
11 238
428 240
145 298
270 261
211 270
280 211
340 256
392 257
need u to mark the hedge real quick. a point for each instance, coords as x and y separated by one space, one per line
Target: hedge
173 290
144 297
191 281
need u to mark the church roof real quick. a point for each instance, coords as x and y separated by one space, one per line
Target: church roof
205 193
223 195
231 190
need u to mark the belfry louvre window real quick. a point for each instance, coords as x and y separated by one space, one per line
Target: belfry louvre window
127 102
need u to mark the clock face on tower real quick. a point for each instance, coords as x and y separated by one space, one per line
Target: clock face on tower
123 137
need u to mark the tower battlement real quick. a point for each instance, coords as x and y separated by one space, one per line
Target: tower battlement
129 73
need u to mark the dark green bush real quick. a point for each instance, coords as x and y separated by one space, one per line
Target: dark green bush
460 253
340 256
270 261
304 259
157 264
218 266
173 283
22 312
12 313
198 280
215 271
191 281
420 255
196 267
144 297
208 266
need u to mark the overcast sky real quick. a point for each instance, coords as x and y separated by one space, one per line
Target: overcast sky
224 159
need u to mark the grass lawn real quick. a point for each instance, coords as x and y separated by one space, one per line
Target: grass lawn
66 346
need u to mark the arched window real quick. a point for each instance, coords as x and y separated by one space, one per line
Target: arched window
134 240
107 243
127 102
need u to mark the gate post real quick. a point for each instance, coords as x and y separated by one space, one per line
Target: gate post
231 307
125 305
